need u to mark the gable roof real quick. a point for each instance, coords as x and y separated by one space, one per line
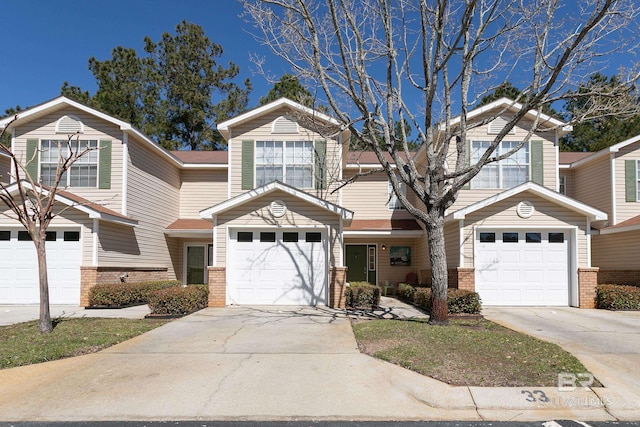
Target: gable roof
508 104
240 199
224 127
560 199
61 102
94 210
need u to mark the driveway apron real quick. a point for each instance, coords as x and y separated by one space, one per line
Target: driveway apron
606 342
232 363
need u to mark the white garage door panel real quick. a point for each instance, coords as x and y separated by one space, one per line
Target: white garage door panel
522 273
19 271
281 273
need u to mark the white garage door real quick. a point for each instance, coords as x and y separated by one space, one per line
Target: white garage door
282 267
522 267
19 267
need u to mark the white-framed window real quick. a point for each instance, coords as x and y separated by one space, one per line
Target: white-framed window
506 173
394 202
288 161
83 173
562 188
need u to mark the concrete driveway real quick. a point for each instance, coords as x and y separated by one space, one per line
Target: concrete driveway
606 342
231 363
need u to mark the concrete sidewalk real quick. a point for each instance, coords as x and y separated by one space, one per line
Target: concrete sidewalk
265 363
10 314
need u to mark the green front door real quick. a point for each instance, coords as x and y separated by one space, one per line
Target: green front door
361 263
356 260
195 264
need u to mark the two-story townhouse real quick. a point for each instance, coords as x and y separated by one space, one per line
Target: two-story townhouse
609 180
267 222
511 236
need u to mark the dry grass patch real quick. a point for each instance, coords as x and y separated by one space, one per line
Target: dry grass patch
22 344
467 352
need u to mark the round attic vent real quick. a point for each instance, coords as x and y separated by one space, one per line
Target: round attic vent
277 208
525 209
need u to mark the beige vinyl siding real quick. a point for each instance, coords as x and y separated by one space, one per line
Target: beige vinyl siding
65 219
570 182
368 198
619 251
625 210
470 196
255 213
5 170
593 184
259 129
503 214
154 200
94 128
201 189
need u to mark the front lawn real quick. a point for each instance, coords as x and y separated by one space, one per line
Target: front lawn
22 344
467 352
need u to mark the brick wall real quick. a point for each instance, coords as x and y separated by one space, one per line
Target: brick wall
466 278
337 281
587 282
217 286
91 276
619 277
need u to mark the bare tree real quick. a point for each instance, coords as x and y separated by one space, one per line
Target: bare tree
429 62
33 204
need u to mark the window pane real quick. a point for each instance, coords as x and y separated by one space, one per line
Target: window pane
5 235
290 237
313 237
267 236
487 237
51 236
245 236
71 236
510 237
556 237
23 235
534 237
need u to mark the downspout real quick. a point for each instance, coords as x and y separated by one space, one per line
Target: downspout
588 242
12 178
125 169
613 220
214 260
95 230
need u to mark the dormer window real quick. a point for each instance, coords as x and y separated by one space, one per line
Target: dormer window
284 125
69 125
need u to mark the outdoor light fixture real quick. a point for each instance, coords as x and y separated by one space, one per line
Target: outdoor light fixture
384 247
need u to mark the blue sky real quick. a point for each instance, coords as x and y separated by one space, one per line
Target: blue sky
45 42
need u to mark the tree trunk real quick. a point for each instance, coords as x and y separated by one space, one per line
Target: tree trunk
44 323
439 280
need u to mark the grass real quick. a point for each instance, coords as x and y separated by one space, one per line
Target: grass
21 344
466 352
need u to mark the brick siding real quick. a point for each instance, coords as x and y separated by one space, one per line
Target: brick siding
217 286
587 282
91 276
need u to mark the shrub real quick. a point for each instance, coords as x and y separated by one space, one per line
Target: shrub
406 292
618 297
458 300
362 294
125 294
180 300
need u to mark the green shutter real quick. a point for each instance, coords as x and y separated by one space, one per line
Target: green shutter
631 180
247 165
537 162
321 164
31 162
104 167
467 186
